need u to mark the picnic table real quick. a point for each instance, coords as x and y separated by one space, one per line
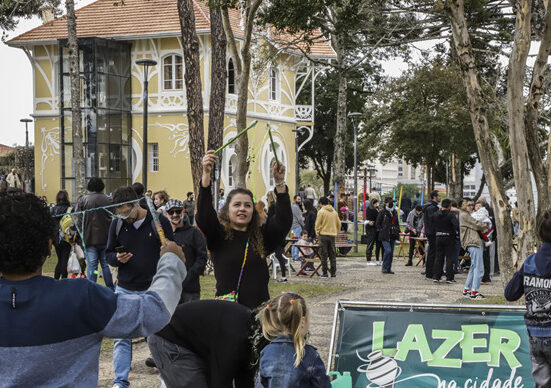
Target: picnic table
315 259
420 243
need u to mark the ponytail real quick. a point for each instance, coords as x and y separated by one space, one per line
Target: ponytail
284 314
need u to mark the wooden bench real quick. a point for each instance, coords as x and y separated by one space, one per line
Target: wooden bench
341 241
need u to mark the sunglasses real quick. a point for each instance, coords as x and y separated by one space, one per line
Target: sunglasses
172 211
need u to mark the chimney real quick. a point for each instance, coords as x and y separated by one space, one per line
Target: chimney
47 14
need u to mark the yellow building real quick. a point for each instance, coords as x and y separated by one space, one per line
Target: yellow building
111 39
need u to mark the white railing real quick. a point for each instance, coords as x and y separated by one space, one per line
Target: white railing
304 113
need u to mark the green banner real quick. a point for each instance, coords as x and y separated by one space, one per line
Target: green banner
443 348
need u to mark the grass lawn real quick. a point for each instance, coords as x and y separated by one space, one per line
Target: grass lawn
208 284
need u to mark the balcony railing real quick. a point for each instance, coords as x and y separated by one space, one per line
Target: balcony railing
304 113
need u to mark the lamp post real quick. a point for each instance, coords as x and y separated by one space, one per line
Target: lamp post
296 131
146 63
27 173
353 116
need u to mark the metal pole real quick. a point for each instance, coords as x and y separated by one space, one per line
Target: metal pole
27 173
355 186
145 155
353 117
297 180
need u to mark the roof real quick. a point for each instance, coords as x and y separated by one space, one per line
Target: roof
135 19
4 149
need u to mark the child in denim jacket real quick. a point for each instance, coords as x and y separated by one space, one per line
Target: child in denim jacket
288 361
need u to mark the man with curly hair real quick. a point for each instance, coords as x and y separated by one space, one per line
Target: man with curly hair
51 330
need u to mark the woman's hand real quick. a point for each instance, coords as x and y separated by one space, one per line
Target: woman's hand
209 159
278 172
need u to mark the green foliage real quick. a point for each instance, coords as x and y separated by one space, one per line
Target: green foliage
320 148
12 10
421 117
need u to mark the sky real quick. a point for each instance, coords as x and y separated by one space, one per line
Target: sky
16 93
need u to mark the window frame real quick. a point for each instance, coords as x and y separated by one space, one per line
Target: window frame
173 80
231 75
153 157
271 79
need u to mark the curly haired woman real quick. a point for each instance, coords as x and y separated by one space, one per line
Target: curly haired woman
237 227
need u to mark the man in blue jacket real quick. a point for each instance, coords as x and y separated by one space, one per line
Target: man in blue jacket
51 330
133 246
534 281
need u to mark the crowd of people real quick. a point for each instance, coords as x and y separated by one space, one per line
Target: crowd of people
152 289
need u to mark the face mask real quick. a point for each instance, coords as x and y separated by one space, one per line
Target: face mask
389 208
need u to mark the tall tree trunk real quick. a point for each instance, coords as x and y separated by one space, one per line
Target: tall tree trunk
339 155
456 178
517 135
242 61
218 79
194 96
541 176
76 121
477 110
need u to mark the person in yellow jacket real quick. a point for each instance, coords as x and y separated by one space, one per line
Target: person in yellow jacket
328 226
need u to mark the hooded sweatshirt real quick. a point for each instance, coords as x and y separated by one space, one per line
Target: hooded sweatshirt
327 223
534 281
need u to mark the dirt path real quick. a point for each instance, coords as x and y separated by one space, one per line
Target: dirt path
361 282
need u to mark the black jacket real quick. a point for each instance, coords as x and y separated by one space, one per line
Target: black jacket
195 248
388 225
371 215
310 223
429 210
445 223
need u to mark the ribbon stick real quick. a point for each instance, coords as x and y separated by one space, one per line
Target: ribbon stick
423 194
236 137
400 200
273 145
155 216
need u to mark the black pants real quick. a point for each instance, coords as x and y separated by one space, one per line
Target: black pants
372 240
412 243
486 261
181 367
445 248
431 255
327 250
282 262
63 250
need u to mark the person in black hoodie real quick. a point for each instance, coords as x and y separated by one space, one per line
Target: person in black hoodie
310 219
62 247
429 209
371 214
194 246
447 229
534 281
388 226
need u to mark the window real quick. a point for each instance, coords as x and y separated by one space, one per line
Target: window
412 173
272 182
231 170
172 72
274 84
231 77
153 150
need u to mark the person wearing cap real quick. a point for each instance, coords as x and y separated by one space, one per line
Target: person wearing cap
194 246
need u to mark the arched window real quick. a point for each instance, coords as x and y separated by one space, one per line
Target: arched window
173 72
272 181
231 77
274 84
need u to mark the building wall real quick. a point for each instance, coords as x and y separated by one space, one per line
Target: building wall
168 121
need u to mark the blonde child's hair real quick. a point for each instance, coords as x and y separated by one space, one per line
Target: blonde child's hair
283 315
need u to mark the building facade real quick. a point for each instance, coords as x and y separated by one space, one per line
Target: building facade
112 99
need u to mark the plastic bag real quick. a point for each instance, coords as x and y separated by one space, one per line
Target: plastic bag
78 250
73 266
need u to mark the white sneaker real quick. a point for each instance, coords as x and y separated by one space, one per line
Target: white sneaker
372 263
116 386
379 263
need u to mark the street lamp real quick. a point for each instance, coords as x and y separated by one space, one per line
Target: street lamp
353 116
27 173
296 131
146 63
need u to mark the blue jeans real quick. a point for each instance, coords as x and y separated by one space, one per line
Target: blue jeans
294 251
96 253
122 351
476 270
388 254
